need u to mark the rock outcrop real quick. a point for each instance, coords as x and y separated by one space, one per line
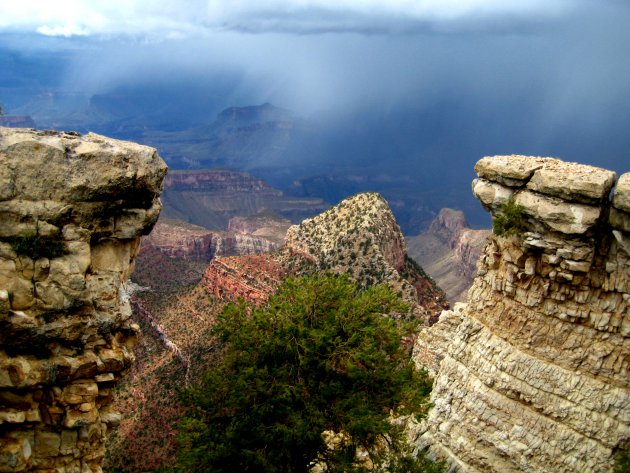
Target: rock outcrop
449 251
72 209
360 237
253 278
533 372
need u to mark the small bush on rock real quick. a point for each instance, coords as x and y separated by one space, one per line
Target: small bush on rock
510 220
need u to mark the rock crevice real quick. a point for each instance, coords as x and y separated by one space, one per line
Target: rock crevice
72 209
532 374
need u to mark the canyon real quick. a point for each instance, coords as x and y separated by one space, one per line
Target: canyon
531 373
359 236
211 197
73 209
448 250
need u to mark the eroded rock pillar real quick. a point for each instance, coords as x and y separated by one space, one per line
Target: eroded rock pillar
533 373
72 210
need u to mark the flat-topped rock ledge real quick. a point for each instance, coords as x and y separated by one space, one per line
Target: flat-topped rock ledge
533 372
566 197
72 210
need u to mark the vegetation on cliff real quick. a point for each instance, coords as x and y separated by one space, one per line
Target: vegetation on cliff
510 219
313 378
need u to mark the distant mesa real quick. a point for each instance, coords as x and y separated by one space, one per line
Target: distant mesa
211 197
17 121
254 114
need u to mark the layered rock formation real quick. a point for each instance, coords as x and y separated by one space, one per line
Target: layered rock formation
449 251
211 197
72 209
252 278
533 373
179 240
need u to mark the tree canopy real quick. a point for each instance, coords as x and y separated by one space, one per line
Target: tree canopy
314 377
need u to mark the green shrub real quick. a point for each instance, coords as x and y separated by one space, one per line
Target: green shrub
37 246
622 462
321 357
510 220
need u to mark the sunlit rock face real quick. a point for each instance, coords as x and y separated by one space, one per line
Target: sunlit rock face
72 210
532 374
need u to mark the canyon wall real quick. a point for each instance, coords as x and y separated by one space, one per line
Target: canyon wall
72 209
211 197
449 251
179 240
533 372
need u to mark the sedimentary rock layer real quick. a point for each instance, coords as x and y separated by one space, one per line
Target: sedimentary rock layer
72 209
533 373
211 197
189 242
449 251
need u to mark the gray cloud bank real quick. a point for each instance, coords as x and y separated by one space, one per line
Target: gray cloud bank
160 19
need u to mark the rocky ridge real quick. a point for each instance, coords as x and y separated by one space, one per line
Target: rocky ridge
449 251
73 209
533 372
359 237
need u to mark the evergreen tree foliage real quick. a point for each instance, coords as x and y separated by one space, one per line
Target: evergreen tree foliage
312 378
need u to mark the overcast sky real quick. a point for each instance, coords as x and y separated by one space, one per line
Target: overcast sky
171 19
560 68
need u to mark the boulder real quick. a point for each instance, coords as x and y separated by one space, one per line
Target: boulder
621 197
573 182
560 215
511 171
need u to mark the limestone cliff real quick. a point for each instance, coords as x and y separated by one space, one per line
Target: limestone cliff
176 239
532 373
449 251
72 209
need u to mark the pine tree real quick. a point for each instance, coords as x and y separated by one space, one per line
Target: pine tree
312 378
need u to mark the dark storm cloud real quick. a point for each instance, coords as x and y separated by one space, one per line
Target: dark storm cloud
484 75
